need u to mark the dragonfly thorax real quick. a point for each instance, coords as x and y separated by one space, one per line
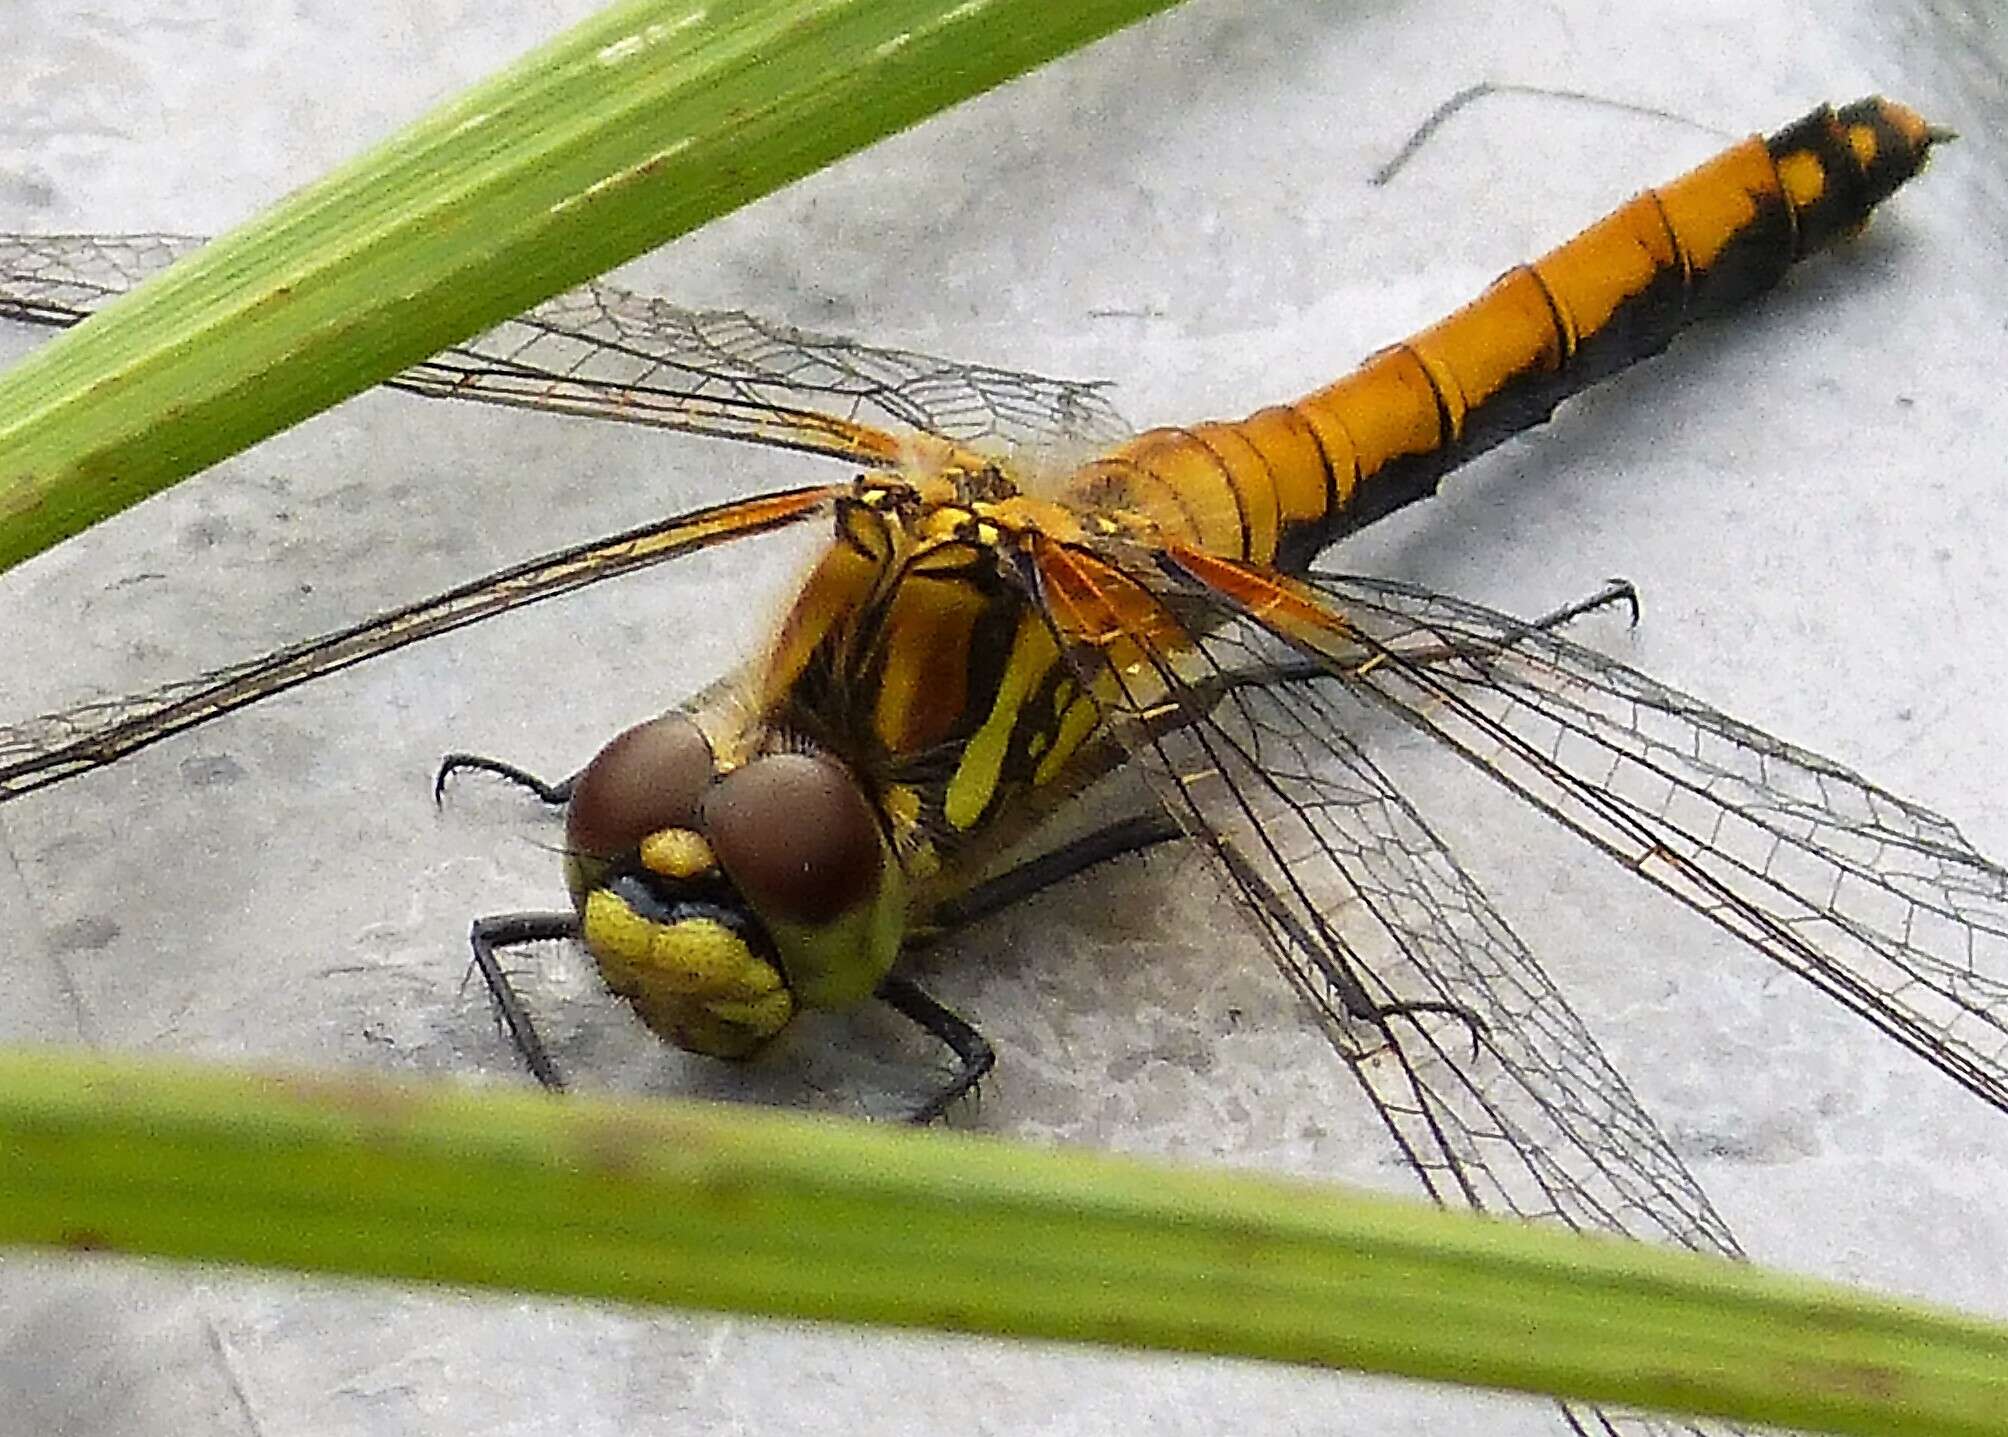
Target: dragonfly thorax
719 902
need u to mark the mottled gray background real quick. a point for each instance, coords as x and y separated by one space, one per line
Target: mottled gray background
1808 504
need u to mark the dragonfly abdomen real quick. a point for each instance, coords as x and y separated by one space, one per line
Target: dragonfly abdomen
1280 485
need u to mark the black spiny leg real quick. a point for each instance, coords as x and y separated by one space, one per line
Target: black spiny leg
1127 835
973 1053
972 1050
1614 591
1336 971
555 794
509 930
1352 995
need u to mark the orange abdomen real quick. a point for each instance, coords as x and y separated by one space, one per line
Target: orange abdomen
1280 485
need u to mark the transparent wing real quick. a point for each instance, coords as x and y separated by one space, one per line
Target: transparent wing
54 747
1872 899
602 352
58 279
597 351
1511 1107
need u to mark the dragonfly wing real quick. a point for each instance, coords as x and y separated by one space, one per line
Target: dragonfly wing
1872 899
57 746
610 340
58 279
1355 893
604 353
1511 1108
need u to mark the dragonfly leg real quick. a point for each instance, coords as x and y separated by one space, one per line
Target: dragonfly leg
973 1053
1126 835
1378 1014
508 930
555 794
1614 591
972 1050
1334 967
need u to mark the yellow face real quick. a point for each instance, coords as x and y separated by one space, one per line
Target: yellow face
719 904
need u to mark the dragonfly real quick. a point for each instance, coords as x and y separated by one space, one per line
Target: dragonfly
992 629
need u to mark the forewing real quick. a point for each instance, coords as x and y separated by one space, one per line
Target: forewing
59 279
1512 1108
54 747
1352 890
607 351
602 352
1871 898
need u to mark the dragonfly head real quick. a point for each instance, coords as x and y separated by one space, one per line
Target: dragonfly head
719 903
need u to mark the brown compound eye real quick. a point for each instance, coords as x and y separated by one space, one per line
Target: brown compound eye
797 837
648 778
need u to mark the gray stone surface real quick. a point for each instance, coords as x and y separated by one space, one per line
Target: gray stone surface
1809 503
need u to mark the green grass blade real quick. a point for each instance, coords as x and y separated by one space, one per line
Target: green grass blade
640 124
764 1212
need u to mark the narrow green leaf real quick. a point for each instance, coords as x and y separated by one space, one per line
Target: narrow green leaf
764 1212
640 124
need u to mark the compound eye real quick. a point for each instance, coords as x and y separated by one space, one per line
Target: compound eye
648 778
796 835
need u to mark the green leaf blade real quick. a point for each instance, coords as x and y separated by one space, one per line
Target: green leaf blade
638 125
770 1213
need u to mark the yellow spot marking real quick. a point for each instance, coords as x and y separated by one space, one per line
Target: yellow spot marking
1862 140
1804 178
677 853
975 780
1075 725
